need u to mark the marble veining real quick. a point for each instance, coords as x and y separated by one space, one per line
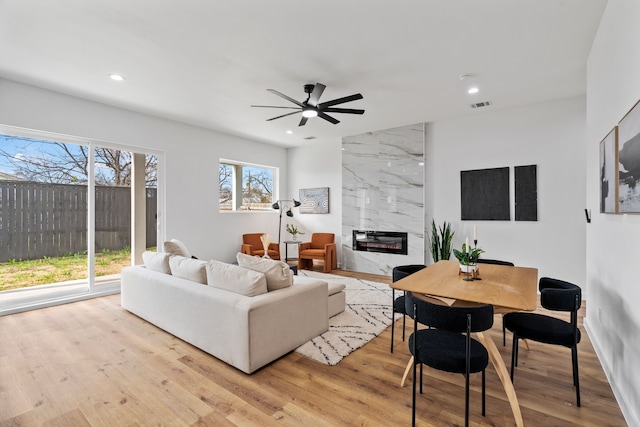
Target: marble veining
383 190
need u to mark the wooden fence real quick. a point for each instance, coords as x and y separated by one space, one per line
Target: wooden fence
46 220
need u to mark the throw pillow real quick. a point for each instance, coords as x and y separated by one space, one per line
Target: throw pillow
188 268
157 261
176 247
235 279
278 273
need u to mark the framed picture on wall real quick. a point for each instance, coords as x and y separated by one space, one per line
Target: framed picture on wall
314 200
609 172
629 161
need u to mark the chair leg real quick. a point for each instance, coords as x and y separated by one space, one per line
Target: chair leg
504 333
413 404
466 400
404 321
514 354
483 394
393 314
576 380
421 365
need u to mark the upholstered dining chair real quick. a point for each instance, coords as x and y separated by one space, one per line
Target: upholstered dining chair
500 311
252 245
447 344
555 295
398 304
322 247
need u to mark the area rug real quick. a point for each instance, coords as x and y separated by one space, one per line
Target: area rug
366 315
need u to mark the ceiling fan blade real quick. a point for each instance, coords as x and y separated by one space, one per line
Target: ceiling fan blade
316 94
340 100
343 110
284 115
282 95
328 118
275 106
303 121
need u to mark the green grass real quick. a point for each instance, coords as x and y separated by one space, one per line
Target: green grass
21 274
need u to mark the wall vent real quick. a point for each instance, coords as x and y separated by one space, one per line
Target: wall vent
308 138
481 104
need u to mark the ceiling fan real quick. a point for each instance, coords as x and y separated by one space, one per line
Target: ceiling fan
311 108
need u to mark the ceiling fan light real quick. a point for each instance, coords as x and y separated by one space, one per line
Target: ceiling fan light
309 112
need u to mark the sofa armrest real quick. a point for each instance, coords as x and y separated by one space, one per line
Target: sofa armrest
247 249
274 247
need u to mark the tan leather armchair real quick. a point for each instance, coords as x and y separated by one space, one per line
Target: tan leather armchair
252 245
322 246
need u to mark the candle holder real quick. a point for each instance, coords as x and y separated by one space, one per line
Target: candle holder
476 273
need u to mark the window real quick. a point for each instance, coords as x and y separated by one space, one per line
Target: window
245 187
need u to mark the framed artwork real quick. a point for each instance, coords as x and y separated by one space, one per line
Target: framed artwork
609 172
629 161
314 200
484 194
526 183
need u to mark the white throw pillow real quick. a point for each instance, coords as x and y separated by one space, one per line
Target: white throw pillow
176 247
189 268
235 279
278 273
157 261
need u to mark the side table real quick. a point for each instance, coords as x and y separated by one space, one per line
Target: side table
286 250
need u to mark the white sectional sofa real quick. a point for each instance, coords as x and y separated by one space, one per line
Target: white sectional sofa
247 332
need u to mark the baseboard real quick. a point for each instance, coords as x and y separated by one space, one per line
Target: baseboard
627 409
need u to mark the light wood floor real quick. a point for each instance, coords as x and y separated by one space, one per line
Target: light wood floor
91 363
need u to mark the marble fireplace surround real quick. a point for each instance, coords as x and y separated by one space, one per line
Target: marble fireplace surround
383 190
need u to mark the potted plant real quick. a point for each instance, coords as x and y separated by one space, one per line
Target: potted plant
293 230
468 258
441 242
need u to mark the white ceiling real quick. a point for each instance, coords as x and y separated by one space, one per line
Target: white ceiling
204 62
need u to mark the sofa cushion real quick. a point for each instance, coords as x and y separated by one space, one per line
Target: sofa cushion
157 261
235 279
189 268
176 247
278 273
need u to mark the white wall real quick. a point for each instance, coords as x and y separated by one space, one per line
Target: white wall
191 157
613 317
312 166
549 135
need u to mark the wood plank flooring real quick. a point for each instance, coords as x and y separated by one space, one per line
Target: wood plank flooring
92 363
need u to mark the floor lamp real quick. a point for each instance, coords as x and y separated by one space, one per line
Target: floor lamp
281 205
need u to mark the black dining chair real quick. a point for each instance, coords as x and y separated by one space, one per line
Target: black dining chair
398 304
498 262
555 295
447 344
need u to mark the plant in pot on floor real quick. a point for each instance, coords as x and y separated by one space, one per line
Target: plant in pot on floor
294 231
440 241
468 258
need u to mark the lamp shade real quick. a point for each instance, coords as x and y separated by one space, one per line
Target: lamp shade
275 206
289 213
296 203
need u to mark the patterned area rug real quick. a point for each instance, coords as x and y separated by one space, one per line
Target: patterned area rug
365 317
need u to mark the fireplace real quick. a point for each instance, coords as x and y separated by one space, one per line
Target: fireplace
389 242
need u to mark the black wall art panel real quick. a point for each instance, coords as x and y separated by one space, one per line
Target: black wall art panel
485 194
526 193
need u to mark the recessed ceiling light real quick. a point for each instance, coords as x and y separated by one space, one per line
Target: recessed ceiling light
289 132
117 77
473 90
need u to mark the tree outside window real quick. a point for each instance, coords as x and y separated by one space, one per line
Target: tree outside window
245 187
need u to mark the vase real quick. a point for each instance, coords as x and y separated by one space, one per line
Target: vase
294 237
468 268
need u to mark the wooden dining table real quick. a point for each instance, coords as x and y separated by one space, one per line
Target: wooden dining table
507 288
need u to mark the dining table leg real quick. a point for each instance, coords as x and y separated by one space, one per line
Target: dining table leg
503 374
